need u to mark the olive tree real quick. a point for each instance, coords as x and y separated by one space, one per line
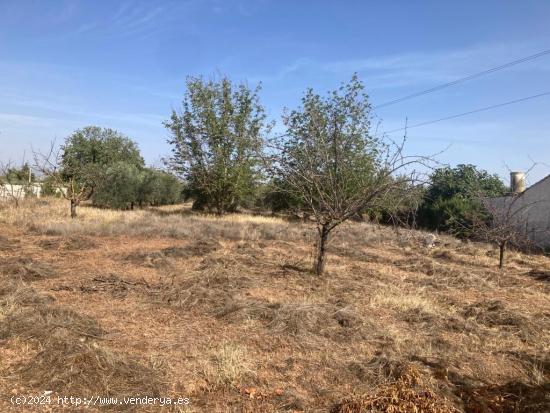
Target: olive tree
124 185
215 142
332 162
119 187
79 166
158 187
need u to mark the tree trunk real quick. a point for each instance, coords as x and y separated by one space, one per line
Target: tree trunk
319 266
73 208
502 248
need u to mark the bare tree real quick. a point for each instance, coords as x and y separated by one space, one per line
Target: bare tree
74 184
505 223
330 161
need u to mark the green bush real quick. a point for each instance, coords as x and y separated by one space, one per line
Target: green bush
118 187
124 185
158 188
453 198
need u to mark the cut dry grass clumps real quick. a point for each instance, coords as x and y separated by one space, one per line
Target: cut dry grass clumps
410 393
419 263
494 313
26 269
195 249
208 292
42 322
437 263
540 275
150 259
70 243
378 370
289 318
30 315
87 369
69 360
14 295
228 366
164 257
444 255
412 307
195 297
8 244
116 286
220 294
297 319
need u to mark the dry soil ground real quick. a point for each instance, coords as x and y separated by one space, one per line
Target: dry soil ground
225 312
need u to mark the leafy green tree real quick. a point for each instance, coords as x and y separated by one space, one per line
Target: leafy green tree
49 187
88 153
148 187
400 207
157 187
167 189
216 141
79 167
124 185
21 176
332 164
119 187
277 196
452 198
101 147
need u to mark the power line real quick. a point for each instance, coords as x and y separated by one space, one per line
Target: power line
469 112
464 79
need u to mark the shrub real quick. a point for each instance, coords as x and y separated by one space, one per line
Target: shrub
124 185
118 187
451 199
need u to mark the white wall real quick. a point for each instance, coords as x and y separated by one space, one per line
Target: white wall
534 207
9 191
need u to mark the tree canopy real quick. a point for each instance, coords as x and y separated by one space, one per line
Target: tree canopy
332 164
83 161
99 146
216 141
124 185
453 196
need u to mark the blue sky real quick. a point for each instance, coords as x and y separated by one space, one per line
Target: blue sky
122 64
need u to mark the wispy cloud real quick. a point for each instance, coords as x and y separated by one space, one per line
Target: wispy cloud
413 68
70 111
137 18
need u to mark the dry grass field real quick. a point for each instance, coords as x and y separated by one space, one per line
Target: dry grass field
225 312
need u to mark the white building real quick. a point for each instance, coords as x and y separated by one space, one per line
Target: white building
532 206
11 191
